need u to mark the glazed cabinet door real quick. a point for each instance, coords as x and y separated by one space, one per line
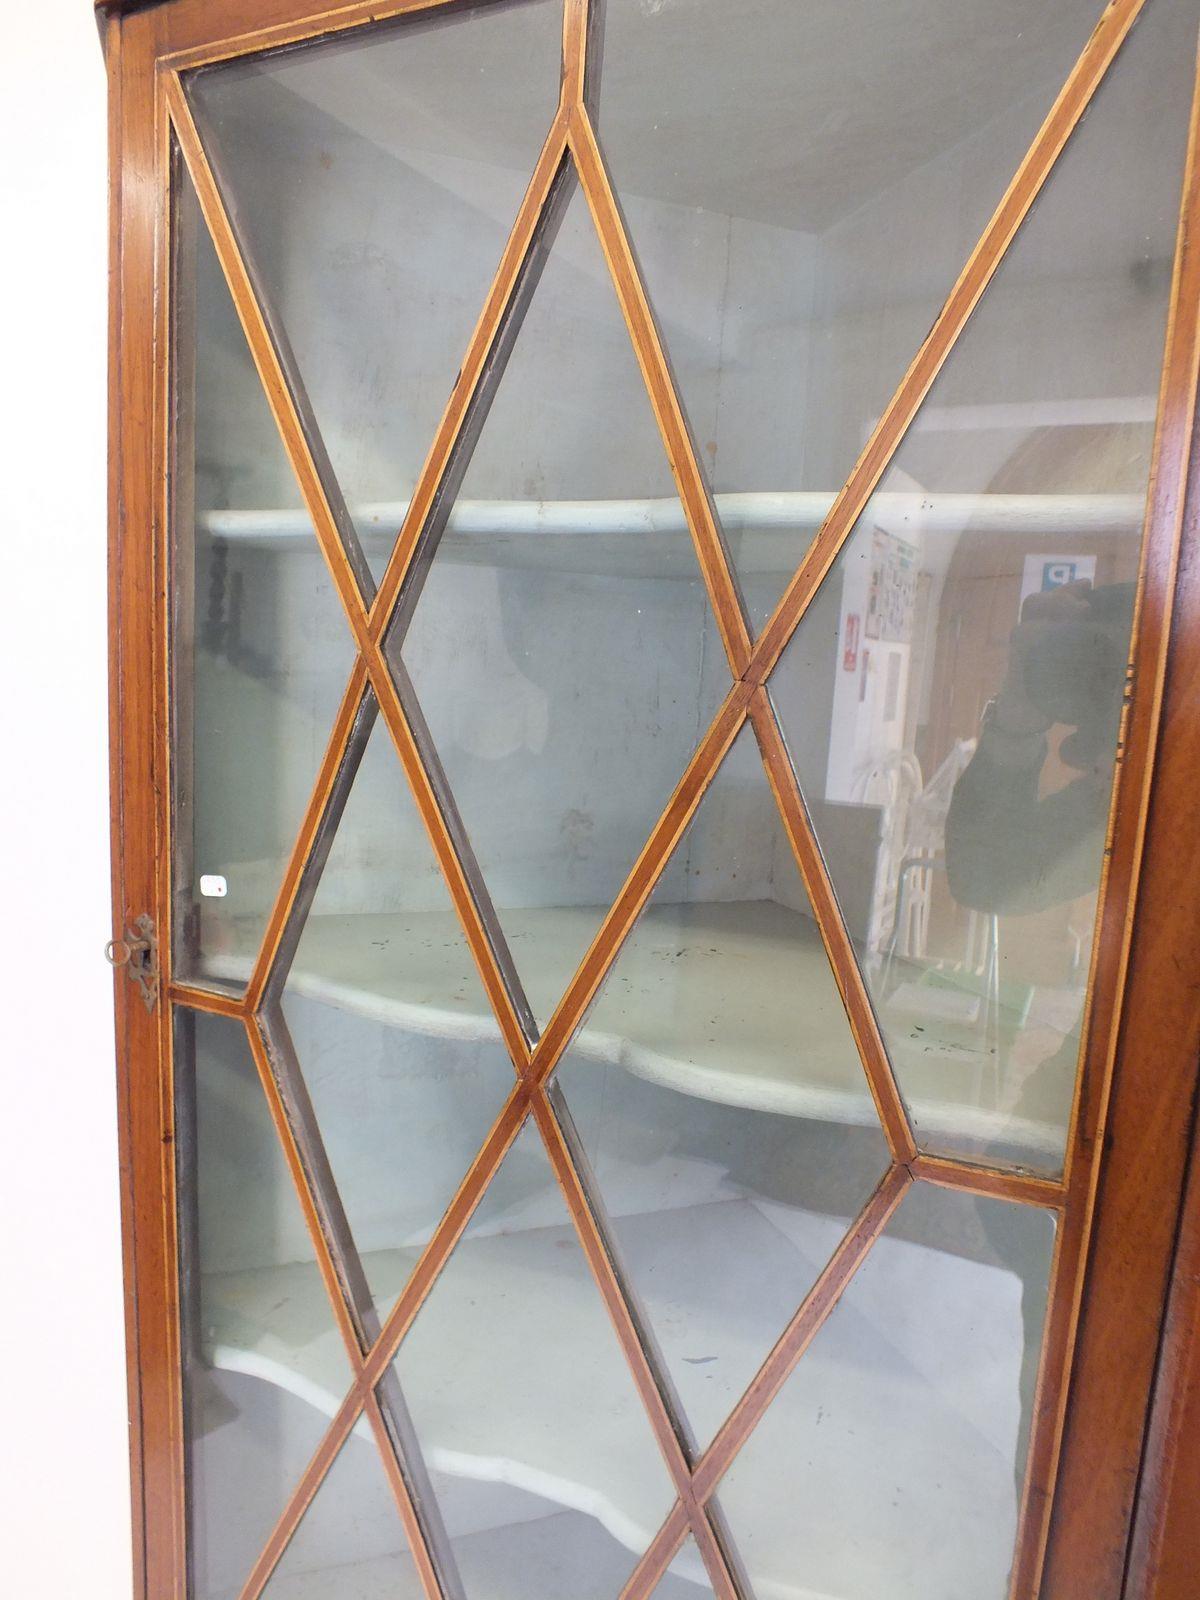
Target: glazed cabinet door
665 522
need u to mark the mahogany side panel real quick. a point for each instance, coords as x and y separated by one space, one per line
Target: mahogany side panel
1165 1561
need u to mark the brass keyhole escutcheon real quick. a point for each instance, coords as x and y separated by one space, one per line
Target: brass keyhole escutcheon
137 952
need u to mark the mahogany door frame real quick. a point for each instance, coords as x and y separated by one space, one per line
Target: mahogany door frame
1114 1427
1165 1553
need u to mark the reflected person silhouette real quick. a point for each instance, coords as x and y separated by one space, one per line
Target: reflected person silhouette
1014 848
1009 848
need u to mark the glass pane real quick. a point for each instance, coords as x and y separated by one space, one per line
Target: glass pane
719 1096
540 1554
264 1365
895 1452
400 1052
953 694
562 647
544 1466
261 648
803 184
685 1578
373 181
350 1544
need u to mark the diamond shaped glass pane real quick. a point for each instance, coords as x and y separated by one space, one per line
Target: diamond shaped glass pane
719 1095
951 699
803 184
898 1444
373 181
400 1054
350 1543
261 647
562 646
544 1465
685 1578
265 1367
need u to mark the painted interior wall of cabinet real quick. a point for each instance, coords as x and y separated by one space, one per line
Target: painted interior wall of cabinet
836 342
497 695
810 328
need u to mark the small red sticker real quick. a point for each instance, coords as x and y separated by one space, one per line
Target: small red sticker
850 646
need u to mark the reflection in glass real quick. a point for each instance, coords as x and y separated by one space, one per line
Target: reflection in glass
261 648
400 1053
373 180
956 686
892 1459
718 1094
562 647
264 1365
803 184
545 1468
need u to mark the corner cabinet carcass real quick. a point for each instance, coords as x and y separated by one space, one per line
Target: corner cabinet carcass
655 601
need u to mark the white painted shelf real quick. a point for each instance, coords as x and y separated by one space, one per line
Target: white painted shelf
726 1001
917 1389
642 538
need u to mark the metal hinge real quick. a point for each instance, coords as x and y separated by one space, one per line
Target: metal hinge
137 952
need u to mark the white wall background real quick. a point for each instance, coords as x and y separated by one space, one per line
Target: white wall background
64 1519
